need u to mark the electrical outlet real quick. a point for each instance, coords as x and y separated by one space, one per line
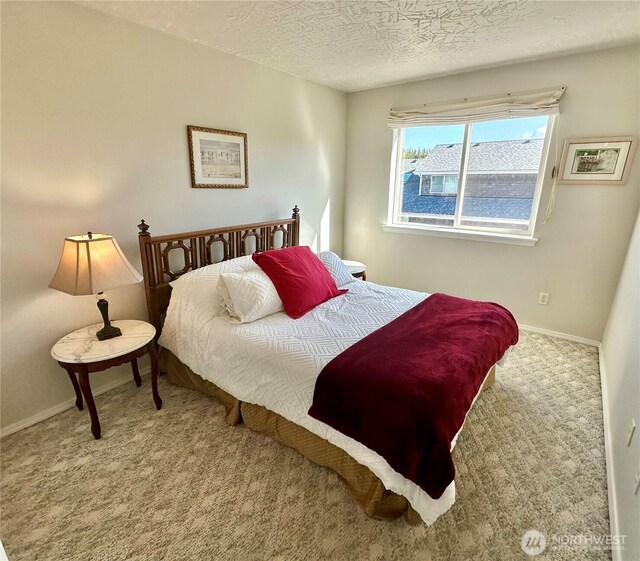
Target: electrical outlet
543 298
631 432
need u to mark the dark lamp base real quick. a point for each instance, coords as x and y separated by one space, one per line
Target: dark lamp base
108 332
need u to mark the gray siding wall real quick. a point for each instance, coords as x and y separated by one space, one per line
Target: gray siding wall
508 186
512 186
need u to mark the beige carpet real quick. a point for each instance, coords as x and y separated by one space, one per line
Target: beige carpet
179 484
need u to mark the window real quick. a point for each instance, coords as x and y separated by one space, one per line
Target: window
446 184
476 165
477 176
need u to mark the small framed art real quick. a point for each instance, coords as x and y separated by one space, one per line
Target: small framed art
218 158
605 160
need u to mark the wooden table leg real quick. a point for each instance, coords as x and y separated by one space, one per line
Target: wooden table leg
151 347
76 387
88 397
136 373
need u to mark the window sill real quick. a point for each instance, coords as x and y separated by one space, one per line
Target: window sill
493 237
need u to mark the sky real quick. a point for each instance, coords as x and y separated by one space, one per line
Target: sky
509 129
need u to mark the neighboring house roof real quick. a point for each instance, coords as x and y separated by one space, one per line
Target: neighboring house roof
409 164
496 156
486 207
491 207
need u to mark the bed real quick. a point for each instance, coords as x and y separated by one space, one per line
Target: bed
264 372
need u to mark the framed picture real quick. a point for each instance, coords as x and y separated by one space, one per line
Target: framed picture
597 160
218 158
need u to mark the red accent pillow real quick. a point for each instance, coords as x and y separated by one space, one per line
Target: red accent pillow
300 278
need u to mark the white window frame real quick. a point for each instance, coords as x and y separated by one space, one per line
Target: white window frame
421 190
462 230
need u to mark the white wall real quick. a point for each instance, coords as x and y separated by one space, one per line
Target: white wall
581 249
94 116
621 360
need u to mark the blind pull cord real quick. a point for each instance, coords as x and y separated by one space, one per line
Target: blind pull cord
554 174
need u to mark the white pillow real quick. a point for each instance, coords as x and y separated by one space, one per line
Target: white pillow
337 269
195 301
247 296
198 289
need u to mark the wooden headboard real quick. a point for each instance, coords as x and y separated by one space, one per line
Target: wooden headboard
204 247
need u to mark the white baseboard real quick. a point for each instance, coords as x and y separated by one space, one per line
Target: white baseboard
616 553
559 335
29 421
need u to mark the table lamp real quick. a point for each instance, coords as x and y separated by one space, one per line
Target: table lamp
91 264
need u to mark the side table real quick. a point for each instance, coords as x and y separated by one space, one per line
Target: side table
81 352
357 269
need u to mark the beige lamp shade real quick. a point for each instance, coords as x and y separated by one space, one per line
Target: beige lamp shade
91 264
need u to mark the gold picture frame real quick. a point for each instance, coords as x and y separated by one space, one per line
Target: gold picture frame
218 158
600 160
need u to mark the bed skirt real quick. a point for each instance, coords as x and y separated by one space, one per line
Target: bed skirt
365 487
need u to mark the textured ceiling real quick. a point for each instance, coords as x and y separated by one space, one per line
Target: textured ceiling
354 45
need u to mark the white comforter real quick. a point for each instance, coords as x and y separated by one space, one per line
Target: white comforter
274 362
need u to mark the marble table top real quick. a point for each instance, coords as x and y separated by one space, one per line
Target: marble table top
83 346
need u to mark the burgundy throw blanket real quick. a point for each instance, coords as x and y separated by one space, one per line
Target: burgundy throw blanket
404 390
